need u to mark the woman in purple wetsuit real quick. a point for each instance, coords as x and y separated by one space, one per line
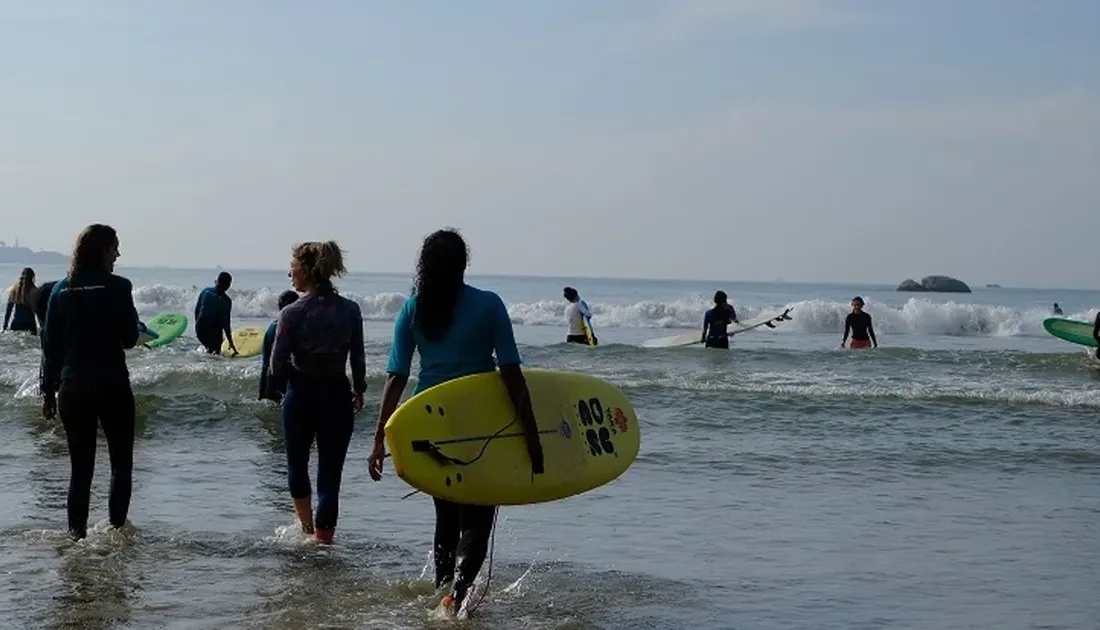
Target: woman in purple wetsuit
314 339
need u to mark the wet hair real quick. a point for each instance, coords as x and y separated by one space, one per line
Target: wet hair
720 297
570 293
440 277
857 299
322 262
286 298
224 279
20 292
90 250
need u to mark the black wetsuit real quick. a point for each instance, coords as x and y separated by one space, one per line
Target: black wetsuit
715 323
212 311
20 317
271 387
40 303
90 322
860 326
1096 334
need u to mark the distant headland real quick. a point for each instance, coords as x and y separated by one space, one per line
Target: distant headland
19 255
935 284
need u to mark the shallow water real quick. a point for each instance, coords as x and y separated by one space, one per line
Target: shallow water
950 479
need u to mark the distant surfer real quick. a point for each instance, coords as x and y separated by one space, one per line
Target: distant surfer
1057 309
716 322
858 323
316 336
212 314
455 328
270 388
579 317
21 299
90 322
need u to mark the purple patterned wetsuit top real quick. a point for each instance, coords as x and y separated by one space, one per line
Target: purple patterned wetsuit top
315 337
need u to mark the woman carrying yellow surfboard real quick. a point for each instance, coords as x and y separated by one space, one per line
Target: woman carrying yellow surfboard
455 328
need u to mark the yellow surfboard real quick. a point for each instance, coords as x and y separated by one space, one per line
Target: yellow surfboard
249 342
462 441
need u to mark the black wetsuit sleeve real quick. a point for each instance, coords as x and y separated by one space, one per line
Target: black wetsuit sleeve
871 330
227 309
706 324
265 362
128 317
847 327
7 313
733 314
358 353
198 305
53 344
1096 329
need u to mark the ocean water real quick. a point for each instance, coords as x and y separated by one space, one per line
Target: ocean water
949 479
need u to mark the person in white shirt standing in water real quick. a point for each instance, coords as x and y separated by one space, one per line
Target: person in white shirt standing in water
580 319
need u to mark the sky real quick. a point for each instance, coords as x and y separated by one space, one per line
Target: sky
808 140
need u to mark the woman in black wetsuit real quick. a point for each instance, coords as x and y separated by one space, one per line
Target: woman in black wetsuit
90 322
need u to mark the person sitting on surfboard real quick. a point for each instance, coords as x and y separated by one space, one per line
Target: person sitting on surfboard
579 317
716 321
90 322
1057 309
859 324
270 389
212 313
316 336
455 328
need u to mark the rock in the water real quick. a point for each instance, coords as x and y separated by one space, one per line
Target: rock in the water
935 284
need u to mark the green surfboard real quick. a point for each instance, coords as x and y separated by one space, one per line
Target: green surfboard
168 327
1070 330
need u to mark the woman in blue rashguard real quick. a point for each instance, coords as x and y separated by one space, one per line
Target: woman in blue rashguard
455 328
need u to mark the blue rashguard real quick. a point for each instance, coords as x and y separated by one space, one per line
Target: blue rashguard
479 326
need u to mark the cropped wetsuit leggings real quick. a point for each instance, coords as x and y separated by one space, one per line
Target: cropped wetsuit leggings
461 537
322 410
83 409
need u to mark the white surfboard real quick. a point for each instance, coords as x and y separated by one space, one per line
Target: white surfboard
765 318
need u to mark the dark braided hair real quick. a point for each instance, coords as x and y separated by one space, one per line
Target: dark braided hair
440 276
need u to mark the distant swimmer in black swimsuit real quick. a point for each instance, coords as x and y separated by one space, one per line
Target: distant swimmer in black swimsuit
716 321
859 324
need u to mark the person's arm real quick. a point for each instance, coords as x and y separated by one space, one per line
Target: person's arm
54 343
358 354
397 376
280 350
7 313
847 329
265 360
504 342
871 331
733 314
706 325
227 310
1096 328
128 317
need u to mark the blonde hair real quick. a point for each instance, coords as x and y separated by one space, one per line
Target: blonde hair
322 262
22 291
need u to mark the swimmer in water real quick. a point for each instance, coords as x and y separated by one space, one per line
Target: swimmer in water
316 337
90 323
212 314
21 298
270 389
716 321
455 328
1057 309
859 324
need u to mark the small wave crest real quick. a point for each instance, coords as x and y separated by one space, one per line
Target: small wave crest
915 316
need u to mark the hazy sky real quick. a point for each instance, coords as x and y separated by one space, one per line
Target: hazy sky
734 139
